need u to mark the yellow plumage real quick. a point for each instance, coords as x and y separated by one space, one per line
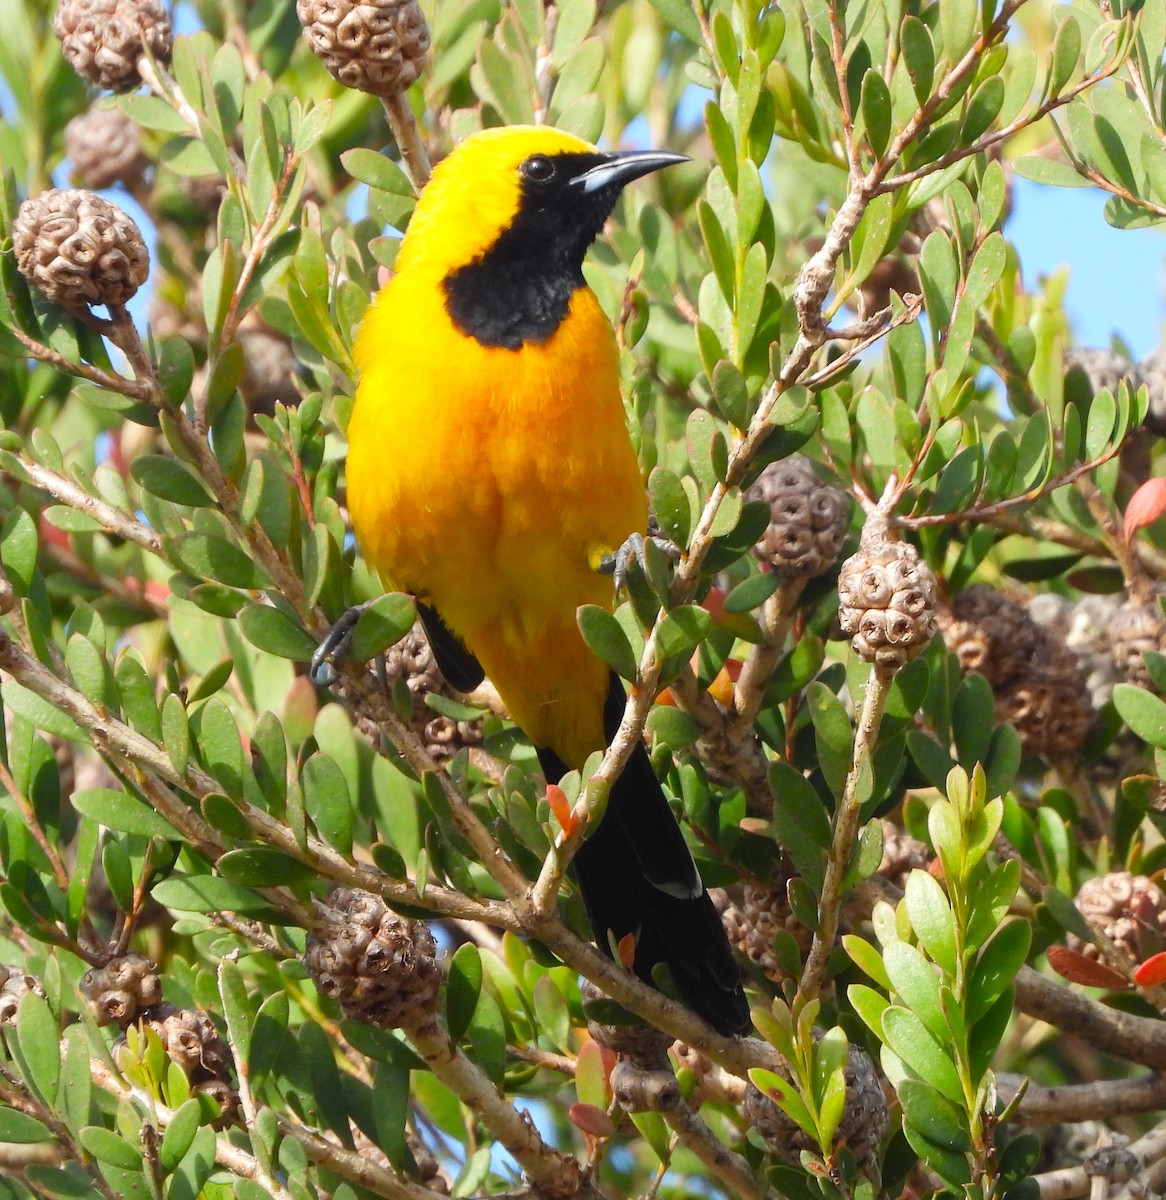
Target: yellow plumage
490 481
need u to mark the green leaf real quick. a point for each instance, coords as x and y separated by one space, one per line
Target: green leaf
171 480
220 745
907 1036
121 811
917 985
551 1010
263 866
876 109
1049 171
18 1127
605 636
1065 56
928 1111
236 1008
18 547
670 504
377 170
39 1035
110 1148
208 894
39 712
176 733
997 966
800 821
463 987
381 625
179 1135
273 630
328 802
931 917
919 55
678 15
682 630
753 592
1143 712
215 558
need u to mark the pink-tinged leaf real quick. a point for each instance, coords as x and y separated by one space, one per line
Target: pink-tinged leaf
627 951
593 1121
592 1071
561 807
1152 972
714 603
1146 505
1080 968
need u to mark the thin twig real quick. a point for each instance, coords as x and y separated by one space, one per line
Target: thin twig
408 138
553 1171
133 388
724 1164
846 823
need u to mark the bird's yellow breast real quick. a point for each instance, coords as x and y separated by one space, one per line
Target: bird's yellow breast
489 482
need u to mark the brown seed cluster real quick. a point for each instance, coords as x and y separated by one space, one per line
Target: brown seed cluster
864 1120
79 249
1129 909
886 596
377 46
412 660
15 984
103 40
1039 687
1137 629
1085 626
120 992
763 913
808 519
381 968
193 1042
105 148
644 1045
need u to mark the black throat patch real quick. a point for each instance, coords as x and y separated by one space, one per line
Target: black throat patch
519 290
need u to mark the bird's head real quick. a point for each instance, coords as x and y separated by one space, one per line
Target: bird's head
539 186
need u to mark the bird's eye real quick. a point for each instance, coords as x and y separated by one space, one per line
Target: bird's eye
538 169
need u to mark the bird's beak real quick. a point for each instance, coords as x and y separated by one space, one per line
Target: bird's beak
622 167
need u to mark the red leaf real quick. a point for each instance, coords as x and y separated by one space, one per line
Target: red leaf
1080 968
593 1121
667 698
1146 505
627 950
733 666
1152 972
561 807
714 603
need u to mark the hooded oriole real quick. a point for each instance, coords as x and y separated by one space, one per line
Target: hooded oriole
489 472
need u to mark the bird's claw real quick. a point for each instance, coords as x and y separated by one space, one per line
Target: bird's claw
335 646
634 550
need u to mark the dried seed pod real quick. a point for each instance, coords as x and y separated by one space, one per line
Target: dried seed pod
103 40
864 1119
192 1040
1038 683
79 249
375 46
1084 627
808 519
15 984
1137 629
763 913
412 660
123 990
644 1045
1129 909
886 598
105 148
381 968
644 1089
1152 372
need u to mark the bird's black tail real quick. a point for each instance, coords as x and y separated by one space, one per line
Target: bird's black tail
637 876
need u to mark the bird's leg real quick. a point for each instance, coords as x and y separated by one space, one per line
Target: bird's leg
335 646
634 549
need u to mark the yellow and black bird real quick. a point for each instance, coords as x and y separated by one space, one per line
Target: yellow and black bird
490 471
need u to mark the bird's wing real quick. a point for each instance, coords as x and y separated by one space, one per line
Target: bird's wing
461 669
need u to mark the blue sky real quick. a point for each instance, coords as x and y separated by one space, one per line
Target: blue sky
1117 277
